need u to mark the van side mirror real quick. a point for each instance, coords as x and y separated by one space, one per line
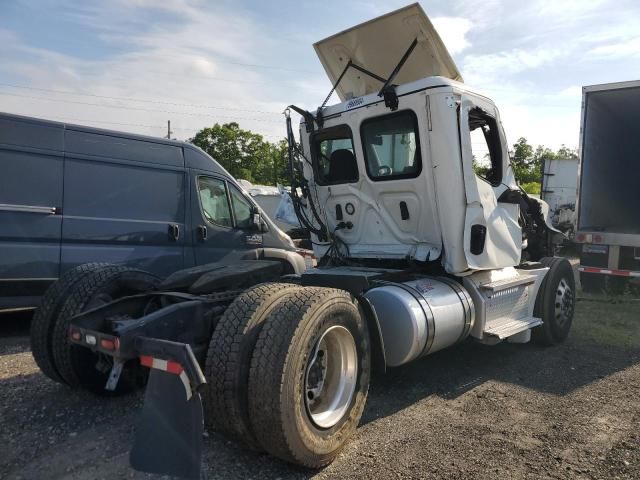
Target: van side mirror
258 222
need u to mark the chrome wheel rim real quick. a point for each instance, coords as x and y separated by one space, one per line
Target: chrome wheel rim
563 307
330 377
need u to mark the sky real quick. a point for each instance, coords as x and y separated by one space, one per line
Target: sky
134 64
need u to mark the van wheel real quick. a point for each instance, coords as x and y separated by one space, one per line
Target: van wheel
229 359
555 303
309 376
79 366
45 317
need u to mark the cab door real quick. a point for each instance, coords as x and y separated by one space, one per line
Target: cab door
492 235
222 226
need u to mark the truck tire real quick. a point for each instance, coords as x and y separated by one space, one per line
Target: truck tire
309 376
229 359
79 366
555 303
592 282
45 316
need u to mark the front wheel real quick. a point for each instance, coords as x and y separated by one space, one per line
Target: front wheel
555 303
309 376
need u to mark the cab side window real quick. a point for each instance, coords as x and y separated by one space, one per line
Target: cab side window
334 158
485 146
214 201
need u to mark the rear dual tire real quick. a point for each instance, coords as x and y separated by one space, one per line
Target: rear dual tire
46 315
81 288
229 359
78 366
301 410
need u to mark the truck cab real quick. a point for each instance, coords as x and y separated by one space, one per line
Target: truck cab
398 180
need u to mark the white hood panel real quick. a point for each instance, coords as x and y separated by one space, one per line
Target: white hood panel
378 45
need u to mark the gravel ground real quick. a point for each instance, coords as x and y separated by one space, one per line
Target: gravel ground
509 411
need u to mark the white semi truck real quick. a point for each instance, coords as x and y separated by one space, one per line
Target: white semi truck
608 206
417 253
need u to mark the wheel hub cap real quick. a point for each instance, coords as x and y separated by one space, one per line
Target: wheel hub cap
563 302
331 375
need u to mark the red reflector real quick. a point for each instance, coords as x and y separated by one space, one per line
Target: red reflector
621 273
597 239
173 367
146 361
109 344
75 335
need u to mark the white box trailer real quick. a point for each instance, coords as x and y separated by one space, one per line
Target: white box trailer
608 204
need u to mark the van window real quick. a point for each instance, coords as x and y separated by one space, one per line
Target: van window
101 190
334 158
241 208
391 146
486 150
214 201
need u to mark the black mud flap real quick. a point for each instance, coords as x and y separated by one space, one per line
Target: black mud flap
168 437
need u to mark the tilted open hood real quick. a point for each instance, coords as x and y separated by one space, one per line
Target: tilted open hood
378 45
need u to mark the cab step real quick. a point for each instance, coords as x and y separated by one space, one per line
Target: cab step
505 327
500 285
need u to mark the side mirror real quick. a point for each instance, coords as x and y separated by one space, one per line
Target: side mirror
258 223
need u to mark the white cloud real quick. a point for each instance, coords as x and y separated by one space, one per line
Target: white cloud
629 48
531 58
453 32
174 61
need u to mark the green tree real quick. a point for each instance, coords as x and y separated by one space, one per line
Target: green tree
244 154
527 162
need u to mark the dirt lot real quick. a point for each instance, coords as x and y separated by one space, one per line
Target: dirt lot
510 411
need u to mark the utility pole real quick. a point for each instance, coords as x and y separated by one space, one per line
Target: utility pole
169 132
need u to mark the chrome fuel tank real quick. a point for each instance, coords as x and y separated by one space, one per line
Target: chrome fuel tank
421 316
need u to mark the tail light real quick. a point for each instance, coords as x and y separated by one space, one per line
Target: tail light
110 343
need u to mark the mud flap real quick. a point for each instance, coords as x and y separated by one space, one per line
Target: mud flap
168 437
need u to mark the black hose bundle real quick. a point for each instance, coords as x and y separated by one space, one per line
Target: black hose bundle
302 198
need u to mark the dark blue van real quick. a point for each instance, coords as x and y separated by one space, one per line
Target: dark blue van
71 195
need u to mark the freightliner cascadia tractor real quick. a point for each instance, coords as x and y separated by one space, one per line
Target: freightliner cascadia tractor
417 252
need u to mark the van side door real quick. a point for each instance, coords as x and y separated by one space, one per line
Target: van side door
31 166
124 201
222 225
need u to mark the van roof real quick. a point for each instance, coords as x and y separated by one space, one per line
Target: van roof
102 131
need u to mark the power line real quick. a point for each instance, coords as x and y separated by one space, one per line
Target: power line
133 99
124 124
138 109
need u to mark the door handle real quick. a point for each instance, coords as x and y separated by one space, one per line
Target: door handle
174 231
202 230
